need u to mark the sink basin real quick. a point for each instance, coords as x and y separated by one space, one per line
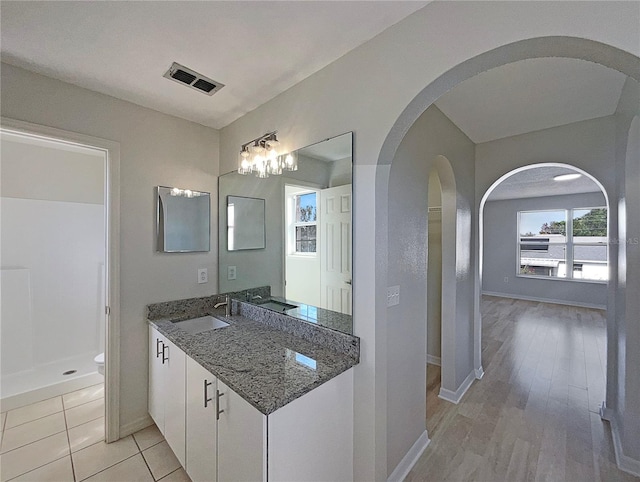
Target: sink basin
199 325
277 306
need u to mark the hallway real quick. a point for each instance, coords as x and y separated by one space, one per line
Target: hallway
534 415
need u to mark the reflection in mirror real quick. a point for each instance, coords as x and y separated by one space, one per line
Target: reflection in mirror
307 256
183 220
245 223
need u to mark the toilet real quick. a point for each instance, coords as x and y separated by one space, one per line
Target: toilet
99 361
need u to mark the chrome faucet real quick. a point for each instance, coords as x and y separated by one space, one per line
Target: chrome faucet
251 298
227 304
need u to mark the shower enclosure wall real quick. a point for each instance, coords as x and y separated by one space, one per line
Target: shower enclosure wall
52 278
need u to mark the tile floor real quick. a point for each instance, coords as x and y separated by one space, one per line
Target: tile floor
62 439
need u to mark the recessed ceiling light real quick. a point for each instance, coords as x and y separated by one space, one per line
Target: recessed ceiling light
567 177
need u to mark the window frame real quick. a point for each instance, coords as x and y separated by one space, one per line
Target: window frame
292 224
569 245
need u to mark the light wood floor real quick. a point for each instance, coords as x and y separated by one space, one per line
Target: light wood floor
534 415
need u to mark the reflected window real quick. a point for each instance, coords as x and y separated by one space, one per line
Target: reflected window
304 226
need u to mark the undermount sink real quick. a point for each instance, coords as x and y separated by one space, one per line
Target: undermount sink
277 306
199 325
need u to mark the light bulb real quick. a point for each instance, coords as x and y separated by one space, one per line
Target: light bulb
291 162
272 154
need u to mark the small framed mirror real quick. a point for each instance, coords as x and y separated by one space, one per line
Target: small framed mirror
183 220
245 223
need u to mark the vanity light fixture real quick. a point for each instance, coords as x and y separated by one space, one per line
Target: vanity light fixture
185 192
567 177
262 157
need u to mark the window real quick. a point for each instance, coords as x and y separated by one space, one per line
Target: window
305 223
549 241
543 243
590 244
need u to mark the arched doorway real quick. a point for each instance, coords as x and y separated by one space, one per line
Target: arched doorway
442 173
467 265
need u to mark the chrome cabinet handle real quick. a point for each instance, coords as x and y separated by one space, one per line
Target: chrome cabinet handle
164 359
158 347
206 397
218 411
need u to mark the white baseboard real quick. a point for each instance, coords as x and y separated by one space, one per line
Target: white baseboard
545 300
479 373
410 459
434 360
624 462
605 413
455 397
135 426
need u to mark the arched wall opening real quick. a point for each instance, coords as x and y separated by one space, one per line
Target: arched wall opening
443 172
559 279
467 264
492 188
628 422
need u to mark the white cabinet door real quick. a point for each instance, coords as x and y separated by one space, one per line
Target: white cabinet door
174 399
156 378
201 423
242 432
311 438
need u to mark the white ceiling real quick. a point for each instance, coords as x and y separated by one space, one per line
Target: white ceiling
531 95
330 150
538 182
258 49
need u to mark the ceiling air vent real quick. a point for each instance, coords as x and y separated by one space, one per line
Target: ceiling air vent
191 78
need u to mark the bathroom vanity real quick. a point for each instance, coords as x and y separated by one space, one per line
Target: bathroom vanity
268 397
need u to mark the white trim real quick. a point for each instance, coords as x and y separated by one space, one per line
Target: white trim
624 462
455 397
409 460
112 210
136 426
545 300
479 373
434 360
605 413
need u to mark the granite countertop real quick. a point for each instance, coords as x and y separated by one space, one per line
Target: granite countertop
314 314
266 366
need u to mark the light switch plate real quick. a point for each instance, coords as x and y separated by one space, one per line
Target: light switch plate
203 275
231 272
393 295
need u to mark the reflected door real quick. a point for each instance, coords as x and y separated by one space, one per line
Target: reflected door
335 250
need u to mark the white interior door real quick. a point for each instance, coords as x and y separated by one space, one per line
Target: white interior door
335 249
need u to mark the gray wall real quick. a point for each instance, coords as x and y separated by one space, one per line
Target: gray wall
155 149
500 257
432 135
623 381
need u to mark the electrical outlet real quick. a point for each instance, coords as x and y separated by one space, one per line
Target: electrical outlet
393 295
506 279
203 275
231 272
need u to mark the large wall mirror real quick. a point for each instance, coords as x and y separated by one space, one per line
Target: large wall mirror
307 257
